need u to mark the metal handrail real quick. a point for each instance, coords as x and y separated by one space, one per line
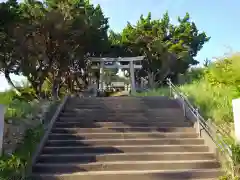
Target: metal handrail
218 136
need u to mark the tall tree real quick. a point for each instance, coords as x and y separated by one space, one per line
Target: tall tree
51 40
9 10
169 49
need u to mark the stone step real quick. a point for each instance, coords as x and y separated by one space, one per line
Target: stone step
106 103
172 131
121 109
120 149
187 174
124 142
142 113
107 106
150 104
105 99
118 119
120 125
110 109
124 136
119 116
124 165
87 158
147 105
127 130
131 138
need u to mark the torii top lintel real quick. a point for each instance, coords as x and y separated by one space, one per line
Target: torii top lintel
119 59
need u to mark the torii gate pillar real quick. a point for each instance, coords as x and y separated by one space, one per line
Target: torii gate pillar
101 78
132 77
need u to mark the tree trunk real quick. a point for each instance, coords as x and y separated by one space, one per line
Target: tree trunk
151 80
56 86
55 90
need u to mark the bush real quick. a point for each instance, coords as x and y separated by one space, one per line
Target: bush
19 109
26 94
14 166
214 102
225 72
194 74
16 107
164 91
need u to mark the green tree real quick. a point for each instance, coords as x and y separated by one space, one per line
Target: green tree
11 15
169 49
52 41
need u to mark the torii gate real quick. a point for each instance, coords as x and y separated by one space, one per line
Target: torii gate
131 66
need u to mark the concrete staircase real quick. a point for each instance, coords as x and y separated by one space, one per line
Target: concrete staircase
126 138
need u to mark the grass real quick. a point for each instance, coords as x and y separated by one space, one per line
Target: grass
214 102
164 91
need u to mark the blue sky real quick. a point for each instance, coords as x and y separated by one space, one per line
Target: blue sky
220 19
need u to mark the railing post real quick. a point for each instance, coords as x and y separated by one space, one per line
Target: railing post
198 123
170 86
1 128
101 75
183 106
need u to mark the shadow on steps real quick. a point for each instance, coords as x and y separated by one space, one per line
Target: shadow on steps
73 146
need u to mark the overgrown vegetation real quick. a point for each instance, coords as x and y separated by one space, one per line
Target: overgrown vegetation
218 86
212 92
14 107
17 108
163 91
14 166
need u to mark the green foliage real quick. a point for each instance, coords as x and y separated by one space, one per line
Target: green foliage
213 94
169 49
14 166
16 107
194 74
6 97
228 177
225 72
27 94
214 91
164 91
214 102
51 40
